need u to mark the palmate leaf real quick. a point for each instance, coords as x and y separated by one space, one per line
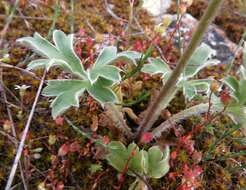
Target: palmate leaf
61 54
238 89
200 59
102 92
67 93
103 67
158 164
192 87
153 163
157 66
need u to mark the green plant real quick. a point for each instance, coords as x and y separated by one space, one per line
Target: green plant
170 87
200 59
97 80
151 164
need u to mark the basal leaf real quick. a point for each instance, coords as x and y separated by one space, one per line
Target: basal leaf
64 44
62 54
232 83
109 72
107 55
102 67
156 66
201 58
41 46
118 155
158 162
242 92
102 92
129 56
189 90
67 94
244 57
136 163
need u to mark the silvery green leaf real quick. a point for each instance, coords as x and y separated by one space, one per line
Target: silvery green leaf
118 155
67 94
232 83
201 58
129 56
201 85
109 72
137 162
62 54
158 162
192 87
189 90
64 44
47 63
156 66
242 71
106 56
102 92
242 92
40 45
102 67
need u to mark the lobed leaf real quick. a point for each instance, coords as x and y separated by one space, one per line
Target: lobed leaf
156 66
62 54
201 58
102 92
67 94
152 163
158 162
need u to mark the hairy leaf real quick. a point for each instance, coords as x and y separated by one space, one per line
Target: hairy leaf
67 94
156 66
152 163
201 58
158 162
102 92
61 54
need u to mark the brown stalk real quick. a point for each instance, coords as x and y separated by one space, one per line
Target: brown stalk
170 86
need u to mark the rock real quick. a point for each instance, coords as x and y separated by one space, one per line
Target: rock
214 37
156 7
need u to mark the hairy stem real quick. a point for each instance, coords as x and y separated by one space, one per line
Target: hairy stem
194 110
171 85
117 117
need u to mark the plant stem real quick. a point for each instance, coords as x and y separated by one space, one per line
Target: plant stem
171 85
12 127
194 110
23 137
8 21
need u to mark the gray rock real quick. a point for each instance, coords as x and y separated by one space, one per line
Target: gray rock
214 37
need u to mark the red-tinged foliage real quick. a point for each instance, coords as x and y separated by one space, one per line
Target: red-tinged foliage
225 97
26 152
146 137
189 178
105 139
63 150
59 121
197 156
173 155
82 32
60 185
186 142
74 147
